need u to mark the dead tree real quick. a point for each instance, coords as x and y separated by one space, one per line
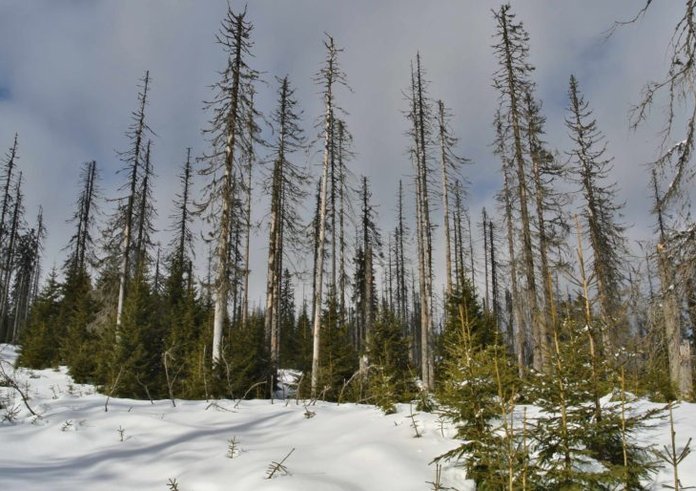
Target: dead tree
601 213
512 80
286 188
137 132
328 77
420 116
229 104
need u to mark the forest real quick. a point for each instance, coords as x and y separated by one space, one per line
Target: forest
542 299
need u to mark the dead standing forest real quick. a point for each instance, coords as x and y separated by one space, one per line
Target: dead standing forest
553 309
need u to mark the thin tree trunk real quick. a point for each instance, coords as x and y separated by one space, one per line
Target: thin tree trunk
485 258
7 270
494 273
222 282
424 232
445 199
523 198
247 217
323 191
125 261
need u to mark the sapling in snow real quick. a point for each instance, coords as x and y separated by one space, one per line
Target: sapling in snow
414 422
121 432
437 485
670 455
275 467
232 448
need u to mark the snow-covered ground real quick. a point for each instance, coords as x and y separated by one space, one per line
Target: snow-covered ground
136 445
76 445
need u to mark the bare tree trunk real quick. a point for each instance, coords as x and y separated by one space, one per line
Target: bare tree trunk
527 253
222 281
401 262
519 317
445 197
271 277
6 202
125 261
323 192
424 229
494 272
471 248
485 258
10 164
545 318
672 321
319 268
247 209
341 224
140 242
10 252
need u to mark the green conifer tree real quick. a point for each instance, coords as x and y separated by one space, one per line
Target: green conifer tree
39 340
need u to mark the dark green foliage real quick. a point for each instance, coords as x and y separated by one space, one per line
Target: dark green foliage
40 340
390 377
477 387
78 310
301 358
582 437
138 344
292 340
338 360
245 362
463 308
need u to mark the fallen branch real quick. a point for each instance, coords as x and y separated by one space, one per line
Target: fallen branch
12 383
236 405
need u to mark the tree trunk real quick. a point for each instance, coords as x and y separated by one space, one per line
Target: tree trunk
445 199
321 236
222 282
125 260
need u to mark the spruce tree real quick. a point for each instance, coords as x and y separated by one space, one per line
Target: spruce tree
450 163
477 387
78 306
601 213
420 116
40 340
126 214
286 186
582 441
329 77
550 229
513 81
364 286
390 376
229 103
183 312
9 164
517 320
8 271
27 266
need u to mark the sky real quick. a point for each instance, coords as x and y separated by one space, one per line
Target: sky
69 72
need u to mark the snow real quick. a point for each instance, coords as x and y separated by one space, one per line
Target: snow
76 445
137 445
